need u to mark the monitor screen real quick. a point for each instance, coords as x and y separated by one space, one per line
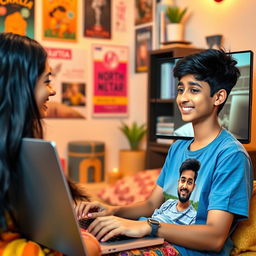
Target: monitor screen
235 115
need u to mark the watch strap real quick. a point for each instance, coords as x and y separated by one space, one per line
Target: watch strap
154 226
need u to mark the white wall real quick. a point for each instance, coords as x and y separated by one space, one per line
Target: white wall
235 20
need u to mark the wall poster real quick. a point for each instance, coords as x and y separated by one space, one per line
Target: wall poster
69 76
120 18
143 11
110 89
97 18
60 20
143 44
17 17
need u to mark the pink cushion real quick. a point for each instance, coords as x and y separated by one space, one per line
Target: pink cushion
130 189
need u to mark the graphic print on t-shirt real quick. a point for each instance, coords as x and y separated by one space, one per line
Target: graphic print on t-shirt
179 209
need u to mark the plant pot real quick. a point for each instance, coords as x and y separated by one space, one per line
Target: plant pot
131 161
175 32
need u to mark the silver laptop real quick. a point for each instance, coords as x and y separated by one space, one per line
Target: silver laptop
43 205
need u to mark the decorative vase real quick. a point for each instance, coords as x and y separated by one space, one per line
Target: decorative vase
131 161
175 32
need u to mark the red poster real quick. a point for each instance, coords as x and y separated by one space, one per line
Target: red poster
110 80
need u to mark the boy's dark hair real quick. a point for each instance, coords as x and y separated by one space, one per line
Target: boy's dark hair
212 66
190 164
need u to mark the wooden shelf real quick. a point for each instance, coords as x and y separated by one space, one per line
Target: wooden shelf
162 100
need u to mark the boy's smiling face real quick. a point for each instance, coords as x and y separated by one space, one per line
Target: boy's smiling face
194 100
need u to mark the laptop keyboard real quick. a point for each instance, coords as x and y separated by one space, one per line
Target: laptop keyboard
85 223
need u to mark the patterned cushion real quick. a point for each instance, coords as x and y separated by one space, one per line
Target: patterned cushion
130 189
244 237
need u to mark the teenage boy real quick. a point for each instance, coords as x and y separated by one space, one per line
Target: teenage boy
224 183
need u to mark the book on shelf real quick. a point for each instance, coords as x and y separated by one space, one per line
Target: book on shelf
164 128
164 119
164 141
164 125
167 84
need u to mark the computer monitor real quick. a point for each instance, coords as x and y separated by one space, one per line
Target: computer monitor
235 115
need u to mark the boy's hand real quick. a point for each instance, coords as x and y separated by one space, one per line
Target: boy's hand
92 209
104 228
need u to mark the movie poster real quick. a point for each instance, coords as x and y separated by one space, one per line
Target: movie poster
110 89
97 18
69 76
17 17
143 44
60 20
143 11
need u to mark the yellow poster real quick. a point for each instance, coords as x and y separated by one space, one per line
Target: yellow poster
60 20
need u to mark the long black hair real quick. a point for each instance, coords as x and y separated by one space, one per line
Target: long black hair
22 61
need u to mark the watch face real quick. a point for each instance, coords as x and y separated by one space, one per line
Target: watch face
154 222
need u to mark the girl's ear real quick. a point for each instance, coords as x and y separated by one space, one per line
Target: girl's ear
220 97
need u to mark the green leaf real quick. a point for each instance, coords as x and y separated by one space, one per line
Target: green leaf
175 14
134 134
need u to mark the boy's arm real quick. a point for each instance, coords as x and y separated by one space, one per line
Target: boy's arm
134 211
210 237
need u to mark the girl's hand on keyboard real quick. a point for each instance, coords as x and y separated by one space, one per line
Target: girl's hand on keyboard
93 209
104 228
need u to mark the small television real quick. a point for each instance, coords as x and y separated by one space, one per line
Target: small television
235 115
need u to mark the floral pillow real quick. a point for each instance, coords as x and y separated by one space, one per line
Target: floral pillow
130 189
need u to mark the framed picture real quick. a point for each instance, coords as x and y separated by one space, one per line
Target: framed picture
60 20
73 93
143 11
143 43
110 85
17 17
97 18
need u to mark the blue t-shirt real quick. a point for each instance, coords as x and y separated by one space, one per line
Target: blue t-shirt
224 181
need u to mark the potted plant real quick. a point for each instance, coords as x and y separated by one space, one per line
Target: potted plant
132 160
175 29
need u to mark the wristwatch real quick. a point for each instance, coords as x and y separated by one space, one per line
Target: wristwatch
155 224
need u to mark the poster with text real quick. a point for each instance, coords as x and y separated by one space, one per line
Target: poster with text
143 44
97 18
17 17
69 80
60 20
110 81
